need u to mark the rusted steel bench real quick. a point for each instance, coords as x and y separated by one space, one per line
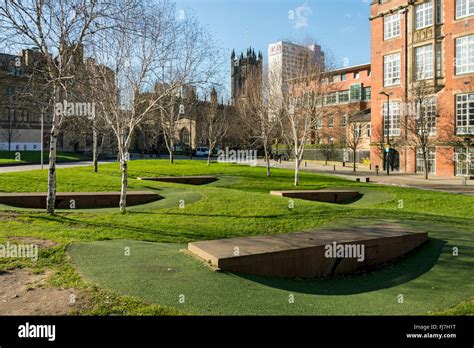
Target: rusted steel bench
77 200
312 254
327 196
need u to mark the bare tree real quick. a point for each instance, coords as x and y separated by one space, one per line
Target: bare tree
328 151
215 124
59 30
193 64
131 56
353 136
93 128
172 112
300 115
420 123
95 125
260 126
10 126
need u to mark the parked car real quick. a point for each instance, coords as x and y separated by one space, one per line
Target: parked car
202 151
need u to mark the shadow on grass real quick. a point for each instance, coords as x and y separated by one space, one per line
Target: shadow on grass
351 200
116 226
400 271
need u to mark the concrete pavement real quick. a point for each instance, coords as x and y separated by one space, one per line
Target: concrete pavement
443 184
435 183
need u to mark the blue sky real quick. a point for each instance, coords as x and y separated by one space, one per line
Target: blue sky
341 26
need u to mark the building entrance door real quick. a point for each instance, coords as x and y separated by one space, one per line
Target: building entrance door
464 159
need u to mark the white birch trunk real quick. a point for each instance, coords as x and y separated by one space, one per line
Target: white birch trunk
267 161
123 192
297 171
95 155
51 198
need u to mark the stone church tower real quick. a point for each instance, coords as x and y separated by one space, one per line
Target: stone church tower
241 68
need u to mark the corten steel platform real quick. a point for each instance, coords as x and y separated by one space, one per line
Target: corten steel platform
327 196
189 180
302 255
82 200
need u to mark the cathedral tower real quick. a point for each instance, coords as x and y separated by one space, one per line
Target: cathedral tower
242 68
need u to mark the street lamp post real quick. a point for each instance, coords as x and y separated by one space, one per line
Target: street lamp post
387 153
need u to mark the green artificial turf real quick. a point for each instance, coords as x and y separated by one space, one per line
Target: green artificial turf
160 273
239 204
9 157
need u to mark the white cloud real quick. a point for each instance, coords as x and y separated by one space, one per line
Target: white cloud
302 13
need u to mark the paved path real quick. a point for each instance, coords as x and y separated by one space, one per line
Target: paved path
28 167
444 184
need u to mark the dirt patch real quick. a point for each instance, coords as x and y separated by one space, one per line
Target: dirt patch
24 293
41 243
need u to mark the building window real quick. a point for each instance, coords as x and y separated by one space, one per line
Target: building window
367 94
391 119
358 131
331 98
465 55
464 8
391 71
343 121
439 11
355 93
426 117
439 59
343 77
369 130
424 15
330 121
391 26
185 136
356 75
465 114
343 96
424 62
319 123
430 159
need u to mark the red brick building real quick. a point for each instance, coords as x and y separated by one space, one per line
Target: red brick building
348 95
433 41
347 98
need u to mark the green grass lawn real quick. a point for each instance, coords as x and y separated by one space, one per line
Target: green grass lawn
239 204
9 157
